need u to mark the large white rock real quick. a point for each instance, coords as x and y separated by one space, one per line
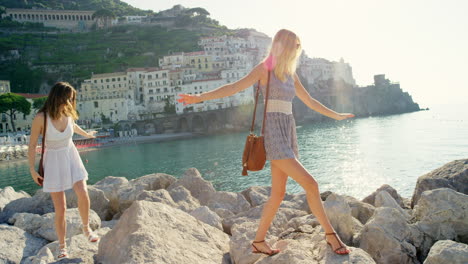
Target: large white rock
149 232
339 214
44 225
234 202
258 195
440 214
384 199
9 194
192 180
447 251
40 203
128 193
80 250
297 246
360 210
404 203
183 199
279 223
98 202
453 175
161 196
16 244
387 236
111 186
204 214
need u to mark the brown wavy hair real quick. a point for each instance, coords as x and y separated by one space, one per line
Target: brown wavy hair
61 101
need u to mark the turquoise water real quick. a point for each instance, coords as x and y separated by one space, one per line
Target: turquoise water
352 157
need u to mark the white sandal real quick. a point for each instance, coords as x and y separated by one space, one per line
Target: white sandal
92 237
62 251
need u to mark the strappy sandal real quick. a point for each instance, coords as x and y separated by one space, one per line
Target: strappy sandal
271 253
62 251
88 232
337 250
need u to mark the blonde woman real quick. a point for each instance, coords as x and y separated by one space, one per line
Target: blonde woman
280 133
63 168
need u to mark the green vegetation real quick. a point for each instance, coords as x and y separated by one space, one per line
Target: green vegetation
119 8
11 104
47 58
38 103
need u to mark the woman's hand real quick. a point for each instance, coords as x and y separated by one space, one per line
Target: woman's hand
343 116
189 99
36 177
91 134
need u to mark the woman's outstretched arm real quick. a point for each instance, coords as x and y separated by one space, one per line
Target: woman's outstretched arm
225 90
315 105
80 131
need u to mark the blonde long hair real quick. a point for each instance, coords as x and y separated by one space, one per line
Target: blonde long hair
285 62
61 94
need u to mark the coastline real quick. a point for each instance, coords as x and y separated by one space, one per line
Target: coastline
126 141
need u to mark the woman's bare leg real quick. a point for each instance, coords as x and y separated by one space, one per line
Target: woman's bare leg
278 190
60 206
81 192
295 170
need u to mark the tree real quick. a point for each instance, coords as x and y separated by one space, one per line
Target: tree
11 103
104 15
38 103
169 108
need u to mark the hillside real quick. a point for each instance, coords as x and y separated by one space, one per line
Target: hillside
119 8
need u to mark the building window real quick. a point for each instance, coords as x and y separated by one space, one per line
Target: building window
96 104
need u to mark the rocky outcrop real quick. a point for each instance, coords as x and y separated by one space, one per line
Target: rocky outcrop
44 226
440 214
17 244
9 194
447 251
387 236
151 232
453 175
194 223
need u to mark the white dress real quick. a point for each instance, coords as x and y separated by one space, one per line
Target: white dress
62 163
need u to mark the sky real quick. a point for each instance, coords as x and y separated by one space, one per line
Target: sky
422 44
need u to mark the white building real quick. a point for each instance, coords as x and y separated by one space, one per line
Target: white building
106 95
4 87
319 69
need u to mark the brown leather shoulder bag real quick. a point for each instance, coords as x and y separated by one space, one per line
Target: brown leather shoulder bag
254 156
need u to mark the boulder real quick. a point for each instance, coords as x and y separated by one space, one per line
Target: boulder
258 195
205 215
161 196
128 193
297 246
80 250
453 175
253 215
387 236
44 225
384 199
339 214
111 186
199 188
98 202
40 203
234 202
17 244
183 199
149 232
440 214
9 194
390 190
447 251
360 210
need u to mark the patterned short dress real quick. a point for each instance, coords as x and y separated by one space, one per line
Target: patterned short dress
280 126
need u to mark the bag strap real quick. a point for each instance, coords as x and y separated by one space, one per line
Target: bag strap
43 136
256 101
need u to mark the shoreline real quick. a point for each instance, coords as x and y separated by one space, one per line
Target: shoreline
126 141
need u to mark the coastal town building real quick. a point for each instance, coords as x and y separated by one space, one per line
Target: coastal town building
319 69
106 96
4 87
74 20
